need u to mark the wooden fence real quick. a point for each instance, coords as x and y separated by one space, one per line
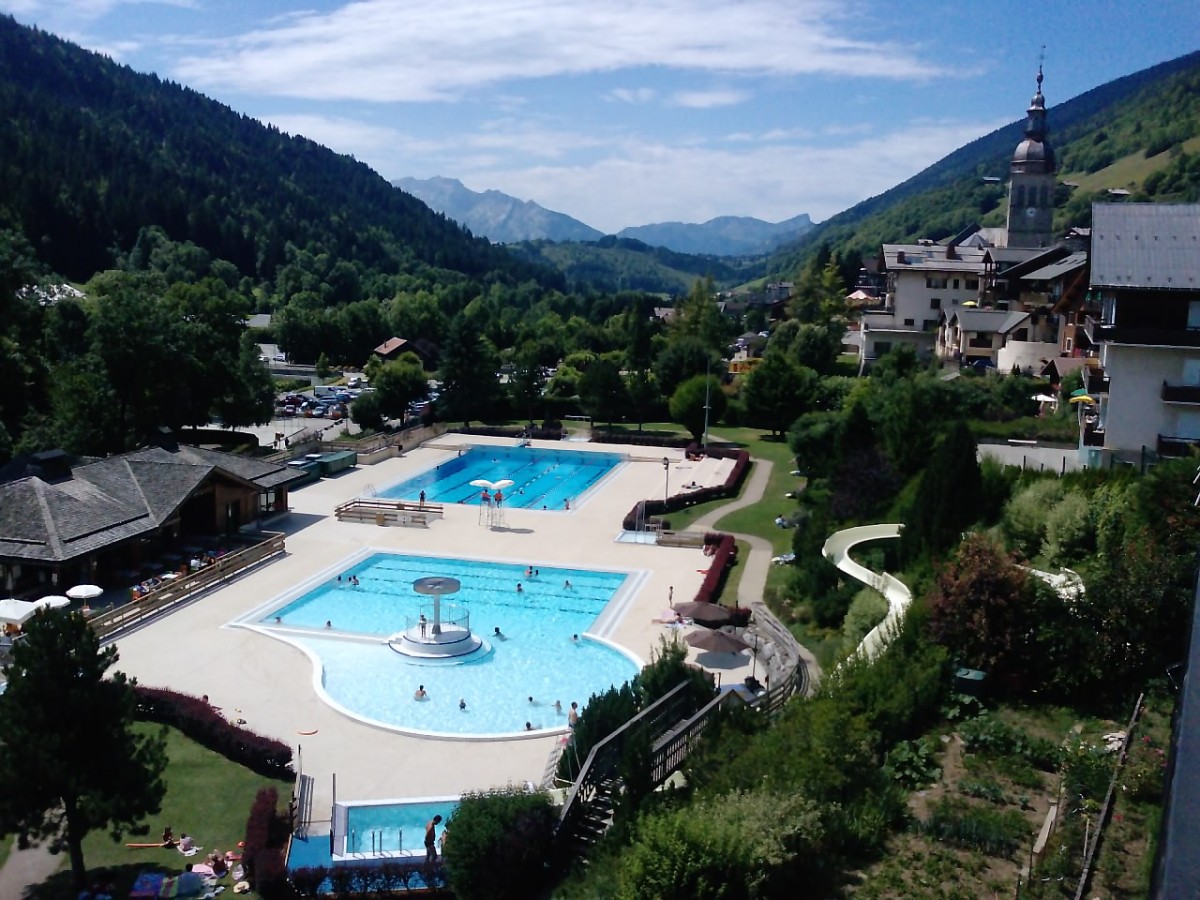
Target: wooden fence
186 587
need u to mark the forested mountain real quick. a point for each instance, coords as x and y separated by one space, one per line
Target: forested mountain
624 264
1140 133
722 236
495 215
92 152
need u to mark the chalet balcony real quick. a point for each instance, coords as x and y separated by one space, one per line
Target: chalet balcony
1176 446
1180 393
1100 332
1093 436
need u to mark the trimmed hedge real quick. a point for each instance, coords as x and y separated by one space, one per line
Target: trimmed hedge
512 431
647 510
201 722
644 440
267 835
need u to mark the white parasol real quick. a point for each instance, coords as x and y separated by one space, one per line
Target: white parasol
54 601
85 592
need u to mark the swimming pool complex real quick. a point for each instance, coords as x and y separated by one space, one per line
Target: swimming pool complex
535 655
542 479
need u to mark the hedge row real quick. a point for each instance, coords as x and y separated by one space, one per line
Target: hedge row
266 837
722 549
514 431
385 879
204 724
646 511
644 440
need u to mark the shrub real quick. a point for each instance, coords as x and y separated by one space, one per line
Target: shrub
867 610
1026 514
1070 532
197 719
989 736
738 845
991 831
266 837
913 764
501 844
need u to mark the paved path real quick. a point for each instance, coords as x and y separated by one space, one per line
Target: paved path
837 550
25 869
757 563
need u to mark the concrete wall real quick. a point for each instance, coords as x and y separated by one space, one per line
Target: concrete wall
1134 414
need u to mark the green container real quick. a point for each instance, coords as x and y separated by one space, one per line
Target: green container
338 461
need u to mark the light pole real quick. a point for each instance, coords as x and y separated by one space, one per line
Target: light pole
707 388
666 478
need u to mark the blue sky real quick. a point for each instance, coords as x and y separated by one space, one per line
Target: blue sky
626 112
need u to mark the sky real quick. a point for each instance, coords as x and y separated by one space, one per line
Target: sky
629 112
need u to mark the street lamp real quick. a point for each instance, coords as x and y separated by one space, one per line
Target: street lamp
707 388
666 478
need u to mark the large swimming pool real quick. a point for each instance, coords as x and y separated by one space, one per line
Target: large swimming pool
536 654
542 479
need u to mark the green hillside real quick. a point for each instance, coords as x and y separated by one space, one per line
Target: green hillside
625 264
93 152
1138 133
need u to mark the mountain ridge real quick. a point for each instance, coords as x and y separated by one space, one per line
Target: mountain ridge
506 219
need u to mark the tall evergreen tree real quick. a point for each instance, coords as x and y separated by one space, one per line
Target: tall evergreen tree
469 385
70 761
948 496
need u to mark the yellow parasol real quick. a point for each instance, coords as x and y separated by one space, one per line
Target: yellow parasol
1083 398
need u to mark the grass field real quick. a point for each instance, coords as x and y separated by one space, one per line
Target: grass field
207 797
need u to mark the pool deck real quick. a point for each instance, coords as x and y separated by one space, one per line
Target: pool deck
269 683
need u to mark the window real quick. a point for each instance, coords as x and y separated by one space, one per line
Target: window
883 347
972 284
929 325
910 322
935 283
935 302
956 284
1069 345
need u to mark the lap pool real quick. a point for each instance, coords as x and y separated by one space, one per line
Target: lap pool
345 621
542 479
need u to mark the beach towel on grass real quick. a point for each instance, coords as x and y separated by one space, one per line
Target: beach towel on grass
146 886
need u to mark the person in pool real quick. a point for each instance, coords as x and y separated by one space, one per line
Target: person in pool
420 693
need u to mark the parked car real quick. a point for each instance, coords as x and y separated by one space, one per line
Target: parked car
279 357
354 381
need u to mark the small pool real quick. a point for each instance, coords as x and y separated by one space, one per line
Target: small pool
543 651
388 828
542 479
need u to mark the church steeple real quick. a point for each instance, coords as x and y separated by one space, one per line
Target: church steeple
1031 190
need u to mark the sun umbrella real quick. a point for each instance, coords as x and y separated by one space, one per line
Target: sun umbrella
716 642
704 613
970 303
16 612
1083 398
85 592
54 602
1079 392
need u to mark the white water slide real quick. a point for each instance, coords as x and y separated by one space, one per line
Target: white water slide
837 550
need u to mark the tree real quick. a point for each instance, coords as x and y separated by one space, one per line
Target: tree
681 359
777 392
365 411
498 844
948 496
602 391
689 400
398 384
468 372
70 760
527 383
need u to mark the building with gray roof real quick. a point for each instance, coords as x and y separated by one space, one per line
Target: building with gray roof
87 522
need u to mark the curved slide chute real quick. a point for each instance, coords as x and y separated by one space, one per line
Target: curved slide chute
837 550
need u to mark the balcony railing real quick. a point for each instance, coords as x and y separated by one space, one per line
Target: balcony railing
1176 446
1180 393
1100 332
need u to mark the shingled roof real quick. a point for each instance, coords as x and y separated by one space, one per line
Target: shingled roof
1154 246
103 503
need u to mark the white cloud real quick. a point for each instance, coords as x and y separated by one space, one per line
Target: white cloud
710 99
633 95
655 182
69 10
424 50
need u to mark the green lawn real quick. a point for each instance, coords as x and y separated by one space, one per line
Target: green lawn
207 796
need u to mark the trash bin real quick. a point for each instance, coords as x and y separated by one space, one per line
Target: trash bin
381 518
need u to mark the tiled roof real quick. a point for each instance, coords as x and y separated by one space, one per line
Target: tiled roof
390 346
1146 245
113 499
931 258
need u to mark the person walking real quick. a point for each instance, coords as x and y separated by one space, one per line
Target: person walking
431 840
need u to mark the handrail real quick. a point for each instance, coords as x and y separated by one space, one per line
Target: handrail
601 760
183 588
436 509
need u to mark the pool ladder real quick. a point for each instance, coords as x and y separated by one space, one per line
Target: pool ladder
377 841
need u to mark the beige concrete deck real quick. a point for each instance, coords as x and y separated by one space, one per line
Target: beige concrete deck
269 683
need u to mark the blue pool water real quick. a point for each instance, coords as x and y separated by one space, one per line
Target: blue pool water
536 657
541 478
393 827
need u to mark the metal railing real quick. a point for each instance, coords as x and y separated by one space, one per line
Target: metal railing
185 587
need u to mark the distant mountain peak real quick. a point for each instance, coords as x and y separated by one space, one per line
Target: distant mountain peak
505 219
